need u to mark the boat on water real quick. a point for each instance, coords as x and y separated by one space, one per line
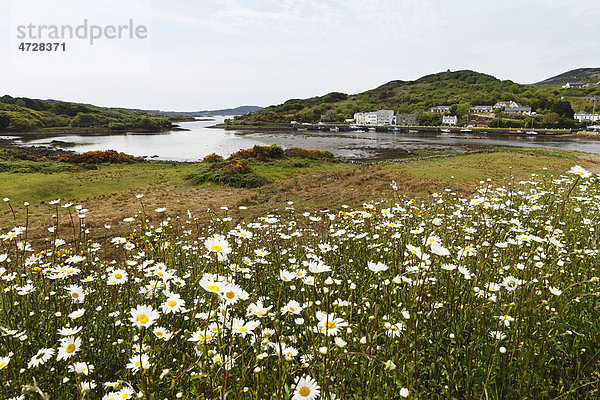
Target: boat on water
413 131
515 132
395 130
531 133
466 130
445 130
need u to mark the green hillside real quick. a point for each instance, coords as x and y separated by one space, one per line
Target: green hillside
463 89
584 75
25 114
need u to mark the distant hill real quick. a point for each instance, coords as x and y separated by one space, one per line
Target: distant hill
555 106
583 75
25 114
209 113
464 88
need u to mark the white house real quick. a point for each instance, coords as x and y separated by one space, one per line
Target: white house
504 104
518 110
440 109
482 109
450 119
379 117
574 85
585 116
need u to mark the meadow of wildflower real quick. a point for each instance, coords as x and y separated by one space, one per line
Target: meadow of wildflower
491 296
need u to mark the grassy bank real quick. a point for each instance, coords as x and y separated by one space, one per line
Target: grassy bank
110 189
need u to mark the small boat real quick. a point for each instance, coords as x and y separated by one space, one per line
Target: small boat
445 130
531 133
465 130
395 130
413 131
515 132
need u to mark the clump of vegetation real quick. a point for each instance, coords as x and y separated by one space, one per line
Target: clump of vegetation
100 157
212 158
20 162
297 152
260 153
237 172
26 167
234 173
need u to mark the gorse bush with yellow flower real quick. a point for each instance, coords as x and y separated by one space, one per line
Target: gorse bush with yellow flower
489 297
99 157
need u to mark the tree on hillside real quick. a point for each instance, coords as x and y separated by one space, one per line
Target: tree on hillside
563 108
4 120
550 120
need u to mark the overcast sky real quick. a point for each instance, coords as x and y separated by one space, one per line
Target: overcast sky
202 54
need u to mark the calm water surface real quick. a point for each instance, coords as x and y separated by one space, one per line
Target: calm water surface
200 141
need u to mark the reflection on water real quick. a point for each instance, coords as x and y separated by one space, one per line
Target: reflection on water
200 141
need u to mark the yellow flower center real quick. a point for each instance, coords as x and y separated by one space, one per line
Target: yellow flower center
142 319
230 295
242 329
304 391
138 363
2 365
75 295
159 334
213 288
330 325
216 247
172 303
70 348
118 276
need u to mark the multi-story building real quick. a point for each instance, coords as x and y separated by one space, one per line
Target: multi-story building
585 116
377 118
450 120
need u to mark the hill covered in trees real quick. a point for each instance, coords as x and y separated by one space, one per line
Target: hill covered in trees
25 114
462 89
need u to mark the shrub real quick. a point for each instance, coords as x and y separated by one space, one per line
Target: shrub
268 153
234 173
212 158
98 157
276 151
86 120
297 152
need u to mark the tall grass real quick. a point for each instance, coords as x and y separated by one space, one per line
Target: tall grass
490 297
